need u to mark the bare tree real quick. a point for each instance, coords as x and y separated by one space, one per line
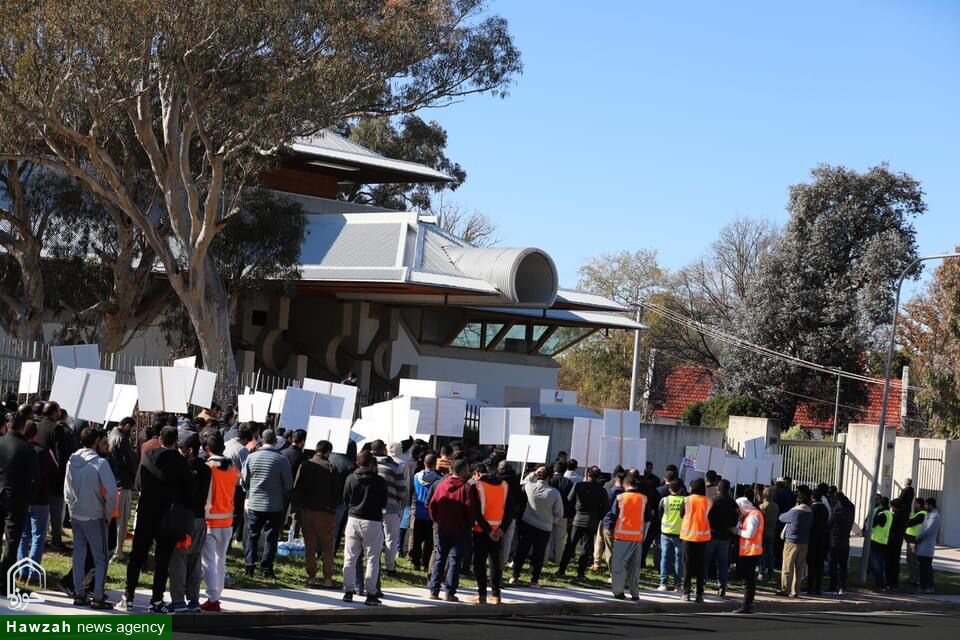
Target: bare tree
472 227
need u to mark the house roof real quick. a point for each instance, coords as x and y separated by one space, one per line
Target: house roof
684 385
807 416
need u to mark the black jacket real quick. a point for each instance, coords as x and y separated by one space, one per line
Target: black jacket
123 460
165 478
564 486
723 515
201 486
590 503
295 457
842 523
365 494
18 471
820 526
47 474
317 486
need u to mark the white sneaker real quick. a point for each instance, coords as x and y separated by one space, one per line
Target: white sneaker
123 605
662 587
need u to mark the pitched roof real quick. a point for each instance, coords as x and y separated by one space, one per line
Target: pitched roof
807 417
684 385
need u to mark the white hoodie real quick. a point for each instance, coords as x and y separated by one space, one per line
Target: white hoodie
90 488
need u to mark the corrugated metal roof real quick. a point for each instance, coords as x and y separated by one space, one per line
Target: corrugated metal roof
593 318
582 299
331 241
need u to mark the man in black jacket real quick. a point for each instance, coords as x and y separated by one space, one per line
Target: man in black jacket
316 493
123 463
590 504
35 529
558 538
296 456
844 514
723 516
18 474
365 494
819 541
185 561
165 480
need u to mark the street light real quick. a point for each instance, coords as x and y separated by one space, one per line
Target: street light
875 481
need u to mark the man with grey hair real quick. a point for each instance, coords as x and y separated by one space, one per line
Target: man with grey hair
267 480
396 474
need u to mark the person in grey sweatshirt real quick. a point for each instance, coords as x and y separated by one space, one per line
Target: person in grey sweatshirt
927 544
544 509
90 491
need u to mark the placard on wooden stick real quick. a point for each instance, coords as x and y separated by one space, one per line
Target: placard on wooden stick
498 424
253 407
83 393
390 421
162 389
276 401
76 356
585 444
621 424
123 403
346 391
629 453
300 404
527 449
334 430
29 378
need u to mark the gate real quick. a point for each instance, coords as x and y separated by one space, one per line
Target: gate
929 481
811 463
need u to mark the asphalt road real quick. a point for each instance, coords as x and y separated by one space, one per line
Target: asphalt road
826 626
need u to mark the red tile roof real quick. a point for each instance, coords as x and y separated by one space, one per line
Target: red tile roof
685 384
805 415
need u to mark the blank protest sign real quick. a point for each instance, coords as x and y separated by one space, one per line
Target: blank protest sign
76 356
300 404
335 430
67 388
97 394
390 421
162 388
621 424
123 403
498 424
437 389
29 378
629 453
585 444
731 469
347 392
276 401
438 416
527 449
190 362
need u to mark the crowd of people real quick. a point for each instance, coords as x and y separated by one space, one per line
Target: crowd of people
203 484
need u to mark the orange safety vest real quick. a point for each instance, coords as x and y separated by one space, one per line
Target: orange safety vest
223 483
493 503
631 507
753 546
695 526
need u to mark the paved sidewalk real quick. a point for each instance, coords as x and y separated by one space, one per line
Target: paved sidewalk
274 607
944 559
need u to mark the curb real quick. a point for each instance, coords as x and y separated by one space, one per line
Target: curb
186 622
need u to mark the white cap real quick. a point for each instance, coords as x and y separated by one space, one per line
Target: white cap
744 504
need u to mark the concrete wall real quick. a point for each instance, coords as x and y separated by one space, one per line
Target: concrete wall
858 466
743 428
906 462
949 503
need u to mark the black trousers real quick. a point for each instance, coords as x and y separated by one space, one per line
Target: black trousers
580 535
14 519
816 556
839 558
422 543
892 573
747 570
483 549
143 536
532 540
694 564
651 538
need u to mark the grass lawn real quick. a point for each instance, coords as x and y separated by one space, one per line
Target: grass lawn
290 573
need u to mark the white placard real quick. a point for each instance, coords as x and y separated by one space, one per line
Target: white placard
754 449
390 421
29 378
346 391
199 385
497 424
764 471
776 466
276 401
585 444
67 388
253 407
437 416
123 403
731 469
245 407
621 424
437 389
162 388
527 449
710 458
300 404
76 356
629 453
334 430
97 394
190 362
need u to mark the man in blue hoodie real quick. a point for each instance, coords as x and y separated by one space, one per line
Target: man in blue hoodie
422 524
90 491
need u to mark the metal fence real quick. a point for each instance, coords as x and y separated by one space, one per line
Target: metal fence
811 463
930 470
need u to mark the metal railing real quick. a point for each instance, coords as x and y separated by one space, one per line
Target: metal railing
812 463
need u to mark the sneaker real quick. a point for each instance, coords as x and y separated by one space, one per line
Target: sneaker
348 596
635 597
840 592
80 601
372 601
434 596
101 604
663 587
177 607
619 596
212 606
194 607
745 610
722 592
269 574
159 607
513 580
451 598
248 571
125 604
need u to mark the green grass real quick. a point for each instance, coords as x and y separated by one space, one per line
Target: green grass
291 574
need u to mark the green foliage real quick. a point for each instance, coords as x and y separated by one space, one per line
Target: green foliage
718 409
693 414
599 369
795 433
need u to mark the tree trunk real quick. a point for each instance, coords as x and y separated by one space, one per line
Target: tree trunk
29 321
210 316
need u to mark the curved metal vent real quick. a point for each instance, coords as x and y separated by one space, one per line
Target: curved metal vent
524 276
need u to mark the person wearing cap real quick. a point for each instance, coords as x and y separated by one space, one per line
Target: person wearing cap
267 480
185 563
749 529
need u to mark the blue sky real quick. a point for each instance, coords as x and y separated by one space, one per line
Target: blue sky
652 125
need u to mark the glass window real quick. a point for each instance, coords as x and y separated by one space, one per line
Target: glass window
493 328
515 341
562 338
538 331
469 337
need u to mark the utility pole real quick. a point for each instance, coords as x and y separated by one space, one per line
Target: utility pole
636 365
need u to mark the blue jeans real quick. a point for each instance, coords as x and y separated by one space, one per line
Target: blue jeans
718 551
269 523
670 559
449 550
34 538
878 564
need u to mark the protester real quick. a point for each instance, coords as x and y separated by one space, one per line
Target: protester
819 542
628 512
18 475
914 527
841 524
123 463
90 492
750 531
519 499
218 511
296 456
344 464
445 461
574 472
558 537
34 537
317 492
670 514
796 537
723 517
422 547
771 525
365 494
590 505
927 544
452 512
894 547
266 479
544 510
398 483
185 563
879 536
163 517
492 502
603 547
694 537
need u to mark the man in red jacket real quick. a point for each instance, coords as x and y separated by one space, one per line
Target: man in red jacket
451 510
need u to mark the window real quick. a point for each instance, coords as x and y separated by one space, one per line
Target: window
493 328
562 338
470 337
